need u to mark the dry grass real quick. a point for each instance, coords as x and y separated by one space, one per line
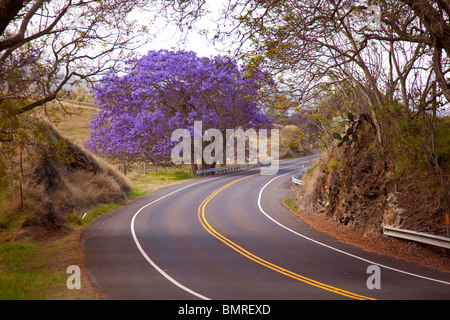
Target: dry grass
74 123
304 196
40 240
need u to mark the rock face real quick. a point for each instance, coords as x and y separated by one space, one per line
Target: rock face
352 197
362 193
350 194
394 216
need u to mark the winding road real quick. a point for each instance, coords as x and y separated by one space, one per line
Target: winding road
229 237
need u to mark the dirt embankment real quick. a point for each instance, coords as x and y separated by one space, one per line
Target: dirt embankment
353 196
60 178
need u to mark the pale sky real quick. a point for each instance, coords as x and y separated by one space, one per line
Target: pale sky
167 37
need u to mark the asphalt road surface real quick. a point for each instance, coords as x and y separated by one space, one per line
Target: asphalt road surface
229 237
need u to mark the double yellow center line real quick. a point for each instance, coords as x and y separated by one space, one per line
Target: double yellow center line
255 258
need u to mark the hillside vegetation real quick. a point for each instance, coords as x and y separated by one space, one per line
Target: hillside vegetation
354 195
52 188
57 177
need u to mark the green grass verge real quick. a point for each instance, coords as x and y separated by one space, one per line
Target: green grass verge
180 175
81 219
36 270
139 190
290 204
24 271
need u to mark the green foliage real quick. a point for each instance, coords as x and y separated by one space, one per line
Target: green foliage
10 219
443 139
252 64
406 142
290 203
5 178
291 136
410 137
136 192
333 165
349 124
409 141
310 170
24 271
179 175
77 218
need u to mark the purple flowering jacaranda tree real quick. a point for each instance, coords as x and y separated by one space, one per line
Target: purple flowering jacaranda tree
166 90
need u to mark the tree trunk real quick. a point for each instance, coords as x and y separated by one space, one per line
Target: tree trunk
8 11
194 168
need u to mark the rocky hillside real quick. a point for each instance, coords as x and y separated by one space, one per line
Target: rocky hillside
58 178
353 196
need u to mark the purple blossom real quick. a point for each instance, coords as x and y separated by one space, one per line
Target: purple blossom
164 91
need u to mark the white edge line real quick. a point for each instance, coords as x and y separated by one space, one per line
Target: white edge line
330 247
154 265
149 260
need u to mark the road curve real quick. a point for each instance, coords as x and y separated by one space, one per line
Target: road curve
229 237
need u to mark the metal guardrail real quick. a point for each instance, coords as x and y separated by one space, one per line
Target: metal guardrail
232 168
417 236
296 178
236 167
434 240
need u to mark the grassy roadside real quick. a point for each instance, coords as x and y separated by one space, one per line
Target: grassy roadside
36 269
291 206
34 262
